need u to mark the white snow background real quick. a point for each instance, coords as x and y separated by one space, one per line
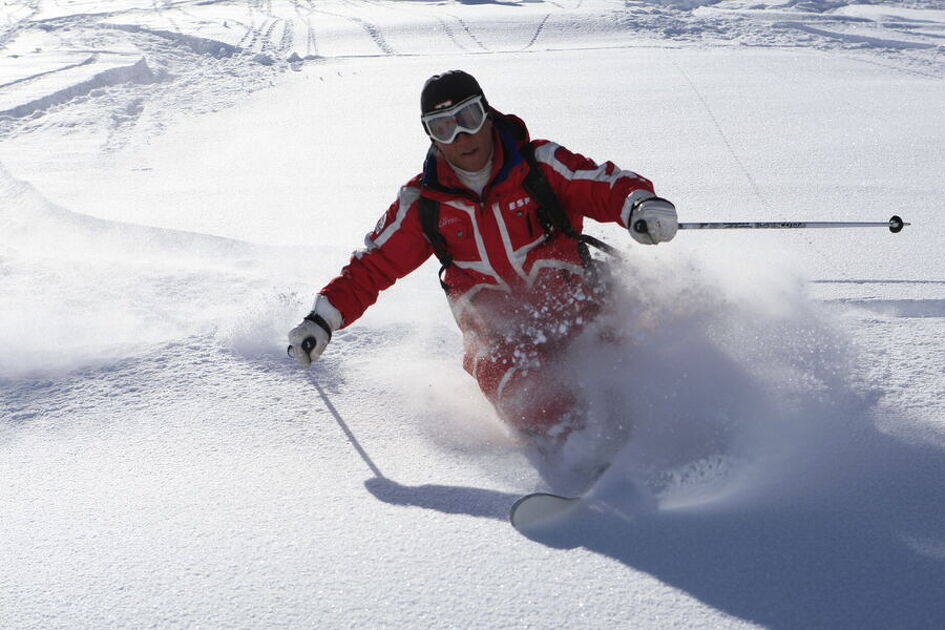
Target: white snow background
178 178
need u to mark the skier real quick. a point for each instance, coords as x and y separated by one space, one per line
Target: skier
515 265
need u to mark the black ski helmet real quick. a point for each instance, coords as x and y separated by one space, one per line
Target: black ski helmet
447 89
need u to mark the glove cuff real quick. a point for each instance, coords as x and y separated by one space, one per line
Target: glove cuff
318 319
330 315
631 202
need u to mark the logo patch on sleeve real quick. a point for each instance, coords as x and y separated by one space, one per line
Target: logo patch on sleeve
382 223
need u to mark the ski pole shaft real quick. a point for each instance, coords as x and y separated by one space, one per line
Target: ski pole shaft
895 225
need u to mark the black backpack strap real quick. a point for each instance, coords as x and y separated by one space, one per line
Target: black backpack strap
429 221
550 213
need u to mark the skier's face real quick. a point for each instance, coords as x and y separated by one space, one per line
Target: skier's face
469 151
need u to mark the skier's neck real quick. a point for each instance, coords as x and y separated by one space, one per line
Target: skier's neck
474 180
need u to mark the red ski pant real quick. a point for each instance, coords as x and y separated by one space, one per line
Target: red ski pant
523 371
516 345
527 394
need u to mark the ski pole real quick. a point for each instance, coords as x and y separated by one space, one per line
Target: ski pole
895 225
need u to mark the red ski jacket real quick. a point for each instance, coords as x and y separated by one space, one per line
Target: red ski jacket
500 252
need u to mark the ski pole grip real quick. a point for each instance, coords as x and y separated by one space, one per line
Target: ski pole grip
308 344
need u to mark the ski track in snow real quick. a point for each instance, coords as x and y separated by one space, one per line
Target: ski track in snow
164 464
273 35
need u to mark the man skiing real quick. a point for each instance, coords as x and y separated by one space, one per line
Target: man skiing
515 265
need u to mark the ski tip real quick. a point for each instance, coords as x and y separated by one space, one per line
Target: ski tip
540 508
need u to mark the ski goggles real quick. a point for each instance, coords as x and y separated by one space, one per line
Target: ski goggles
466 117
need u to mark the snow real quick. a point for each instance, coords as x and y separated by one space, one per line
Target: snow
177 179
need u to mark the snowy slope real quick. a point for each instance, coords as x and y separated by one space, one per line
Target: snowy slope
176 181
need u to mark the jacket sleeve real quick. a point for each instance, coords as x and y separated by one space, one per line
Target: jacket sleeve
392 250
587 189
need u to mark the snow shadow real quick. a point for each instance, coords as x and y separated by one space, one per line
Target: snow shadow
478 502
864 549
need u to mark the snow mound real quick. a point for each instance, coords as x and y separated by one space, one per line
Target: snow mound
162 285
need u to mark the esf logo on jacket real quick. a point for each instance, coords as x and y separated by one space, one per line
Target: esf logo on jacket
520 203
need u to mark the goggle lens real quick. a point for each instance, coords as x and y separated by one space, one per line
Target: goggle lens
466 117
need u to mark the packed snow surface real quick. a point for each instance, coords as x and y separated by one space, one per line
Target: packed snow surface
177 179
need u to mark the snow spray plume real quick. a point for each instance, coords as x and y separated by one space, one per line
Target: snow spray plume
694 382
707 385
429 380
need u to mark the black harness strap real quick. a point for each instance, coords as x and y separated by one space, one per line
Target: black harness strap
429 221
550 213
